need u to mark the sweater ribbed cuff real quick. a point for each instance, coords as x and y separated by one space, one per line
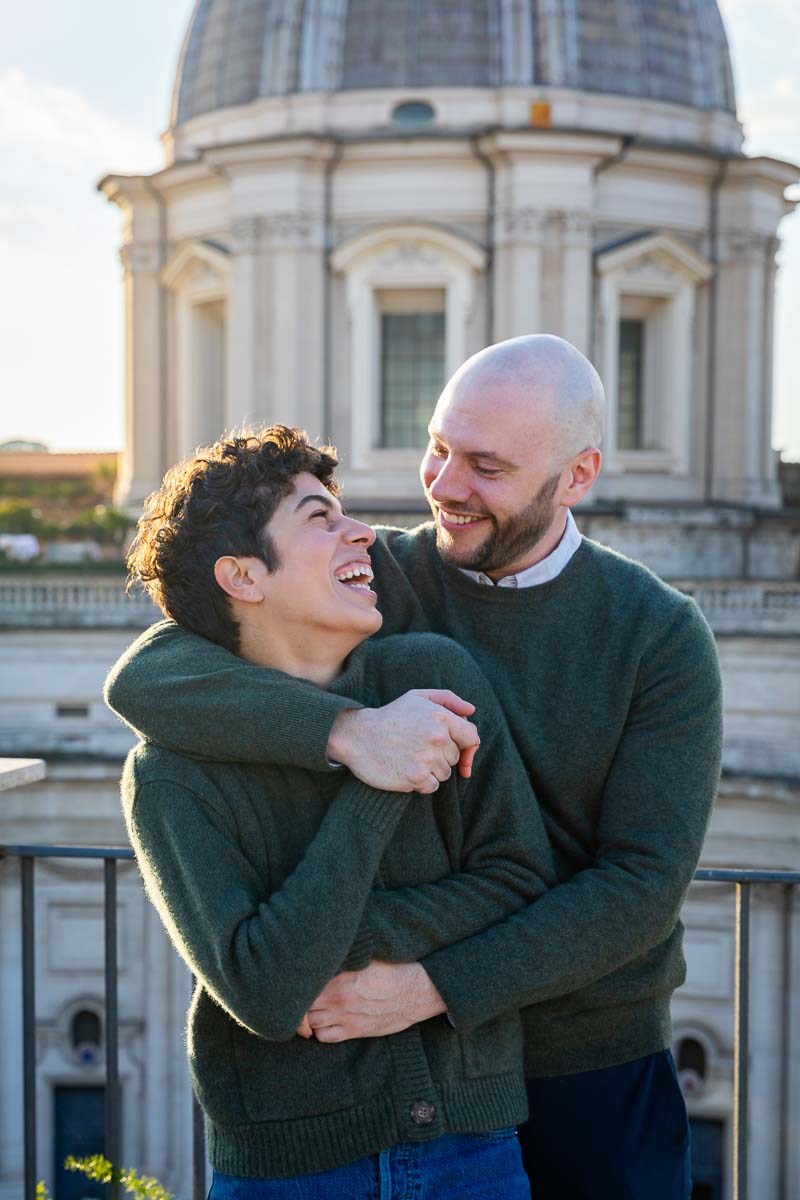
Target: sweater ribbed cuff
380 810
469 1003
361 953
317 726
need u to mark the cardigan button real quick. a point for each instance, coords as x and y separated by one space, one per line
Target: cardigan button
423 1112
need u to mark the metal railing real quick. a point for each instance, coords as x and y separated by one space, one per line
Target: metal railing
742 880
109 856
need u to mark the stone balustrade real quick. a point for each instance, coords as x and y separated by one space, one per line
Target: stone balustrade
67 602
747 608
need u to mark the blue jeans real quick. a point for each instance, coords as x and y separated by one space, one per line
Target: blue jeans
457 1166
620 1132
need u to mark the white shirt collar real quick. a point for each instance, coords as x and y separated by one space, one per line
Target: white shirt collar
544 570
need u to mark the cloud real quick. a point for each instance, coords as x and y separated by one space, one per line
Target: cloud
774 10
57 127
61 347
770 117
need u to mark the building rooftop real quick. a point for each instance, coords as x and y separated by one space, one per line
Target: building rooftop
237 51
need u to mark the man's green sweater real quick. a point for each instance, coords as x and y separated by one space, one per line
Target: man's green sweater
610 684
270 879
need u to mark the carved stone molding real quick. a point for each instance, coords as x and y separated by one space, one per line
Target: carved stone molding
246 235
753 248
295 227
139 258
652 265
407 256
577 227
253 234
521 224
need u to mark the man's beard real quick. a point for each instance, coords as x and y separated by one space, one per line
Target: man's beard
510 540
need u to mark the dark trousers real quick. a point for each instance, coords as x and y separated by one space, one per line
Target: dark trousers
621 1133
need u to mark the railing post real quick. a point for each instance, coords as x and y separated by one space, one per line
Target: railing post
29 1026
741 1039
112 1025
786 1043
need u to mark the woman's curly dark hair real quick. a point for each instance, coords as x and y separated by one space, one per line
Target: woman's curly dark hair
219 503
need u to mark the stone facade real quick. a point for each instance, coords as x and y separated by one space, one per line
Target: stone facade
253 276
533 196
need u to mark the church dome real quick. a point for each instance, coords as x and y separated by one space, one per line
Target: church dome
237 51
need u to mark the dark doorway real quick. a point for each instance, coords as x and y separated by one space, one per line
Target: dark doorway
79 1129
707 1141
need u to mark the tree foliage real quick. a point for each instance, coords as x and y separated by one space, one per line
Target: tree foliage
98 1168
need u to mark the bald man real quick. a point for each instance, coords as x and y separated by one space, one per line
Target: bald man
610 684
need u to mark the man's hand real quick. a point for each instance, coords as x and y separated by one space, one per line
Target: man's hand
410 745
382 999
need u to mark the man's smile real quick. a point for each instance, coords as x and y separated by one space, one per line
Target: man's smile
453 520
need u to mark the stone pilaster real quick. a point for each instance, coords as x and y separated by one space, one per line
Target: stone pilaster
294 244
242 332
142 465
744 346
519 235
576 278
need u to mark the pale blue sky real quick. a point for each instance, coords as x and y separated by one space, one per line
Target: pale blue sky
85 89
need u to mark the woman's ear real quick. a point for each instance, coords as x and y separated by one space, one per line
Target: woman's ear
240 578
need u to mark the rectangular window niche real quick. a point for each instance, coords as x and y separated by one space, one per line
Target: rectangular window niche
412 364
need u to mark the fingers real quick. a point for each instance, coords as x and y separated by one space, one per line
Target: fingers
449 700
424 787
333 1033
465 761
452 753
463 733
304 1029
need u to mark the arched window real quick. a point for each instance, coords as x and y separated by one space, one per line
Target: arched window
692 1056
85 1035
692 1062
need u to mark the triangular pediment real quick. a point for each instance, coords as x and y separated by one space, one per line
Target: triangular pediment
197 265
656 253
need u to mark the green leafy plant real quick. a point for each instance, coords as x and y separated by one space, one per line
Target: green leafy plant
18 516
42 1192
99 1169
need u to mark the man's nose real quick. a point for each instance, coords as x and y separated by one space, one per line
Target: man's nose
449 483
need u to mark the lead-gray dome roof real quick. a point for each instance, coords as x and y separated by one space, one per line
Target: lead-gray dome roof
236 51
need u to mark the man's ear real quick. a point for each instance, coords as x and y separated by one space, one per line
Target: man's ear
240 578
580 475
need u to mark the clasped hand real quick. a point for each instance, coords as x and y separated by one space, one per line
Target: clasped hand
381 999
410 745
